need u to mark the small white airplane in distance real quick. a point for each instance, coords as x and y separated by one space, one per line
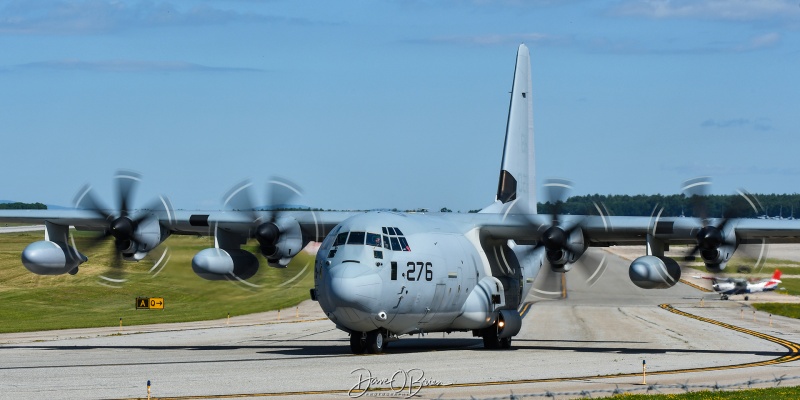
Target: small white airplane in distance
731 286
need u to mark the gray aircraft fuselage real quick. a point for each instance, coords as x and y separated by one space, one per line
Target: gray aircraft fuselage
412 273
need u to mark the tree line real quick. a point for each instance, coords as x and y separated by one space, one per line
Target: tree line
675 205
22 206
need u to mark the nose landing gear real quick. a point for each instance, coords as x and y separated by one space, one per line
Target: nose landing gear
372 342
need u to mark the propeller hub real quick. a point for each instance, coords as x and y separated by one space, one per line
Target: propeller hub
122 228
709 238
267 234
554 238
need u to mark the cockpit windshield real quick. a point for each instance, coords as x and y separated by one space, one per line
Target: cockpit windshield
391 239
356 238
373 239
341 239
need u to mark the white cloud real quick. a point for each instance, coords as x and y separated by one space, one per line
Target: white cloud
764 41
760 124
734 10
97 16
756 43
122 66
500 39
519 3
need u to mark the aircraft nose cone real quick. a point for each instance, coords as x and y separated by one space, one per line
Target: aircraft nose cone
354 285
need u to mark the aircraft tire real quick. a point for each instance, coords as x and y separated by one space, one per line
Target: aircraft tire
357 343
746 298
505 343
376 342
490 338
724 297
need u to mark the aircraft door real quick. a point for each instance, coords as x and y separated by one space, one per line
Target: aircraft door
436 304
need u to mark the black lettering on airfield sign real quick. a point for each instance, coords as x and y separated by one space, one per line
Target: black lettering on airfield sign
150 303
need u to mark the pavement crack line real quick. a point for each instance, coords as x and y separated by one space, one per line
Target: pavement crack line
792 354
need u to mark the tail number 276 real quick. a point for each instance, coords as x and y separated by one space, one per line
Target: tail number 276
416 269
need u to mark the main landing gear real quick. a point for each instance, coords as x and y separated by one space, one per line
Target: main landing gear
372 342
725 297
492 339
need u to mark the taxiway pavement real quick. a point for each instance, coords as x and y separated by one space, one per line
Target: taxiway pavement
18 229
595 339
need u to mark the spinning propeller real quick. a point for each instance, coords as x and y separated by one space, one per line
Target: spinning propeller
271 227
714 234
278 234
564 246
134 237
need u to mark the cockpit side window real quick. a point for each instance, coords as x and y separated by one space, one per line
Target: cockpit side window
356 238
341 239
373 239
393 239
404 244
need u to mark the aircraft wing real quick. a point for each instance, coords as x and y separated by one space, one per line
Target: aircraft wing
314 224
621 230
773 231
566 238
84 219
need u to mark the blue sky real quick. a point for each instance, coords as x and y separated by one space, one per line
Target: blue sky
371 104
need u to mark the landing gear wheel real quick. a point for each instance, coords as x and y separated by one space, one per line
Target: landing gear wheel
505 343
376 342
491 338
746 298
724 297
358 344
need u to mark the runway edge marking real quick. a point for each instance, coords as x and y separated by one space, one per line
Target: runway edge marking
793 354
698 287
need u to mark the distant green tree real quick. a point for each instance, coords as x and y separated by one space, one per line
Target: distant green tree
23 206
675 205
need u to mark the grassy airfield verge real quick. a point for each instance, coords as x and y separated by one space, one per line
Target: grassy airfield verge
742 267
771 393
30 302
792 286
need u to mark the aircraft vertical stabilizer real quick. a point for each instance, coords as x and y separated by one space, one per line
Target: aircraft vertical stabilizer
516 187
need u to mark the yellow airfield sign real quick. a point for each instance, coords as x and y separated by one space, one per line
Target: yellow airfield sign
149 303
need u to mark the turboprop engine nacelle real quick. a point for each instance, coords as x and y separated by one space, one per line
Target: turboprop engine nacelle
651 272
563 248
51 258
143 237
717 259
280 241
217 264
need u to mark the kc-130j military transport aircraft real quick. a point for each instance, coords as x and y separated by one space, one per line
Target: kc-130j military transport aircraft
379 275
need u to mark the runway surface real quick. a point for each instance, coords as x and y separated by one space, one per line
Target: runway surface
596 339
18 229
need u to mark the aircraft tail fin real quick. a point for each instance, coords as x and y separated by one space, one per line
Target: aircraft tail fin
776 277
516 187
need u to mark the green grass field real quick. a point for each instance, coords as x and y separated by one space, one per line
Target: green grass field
792 286
792 392
31 302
